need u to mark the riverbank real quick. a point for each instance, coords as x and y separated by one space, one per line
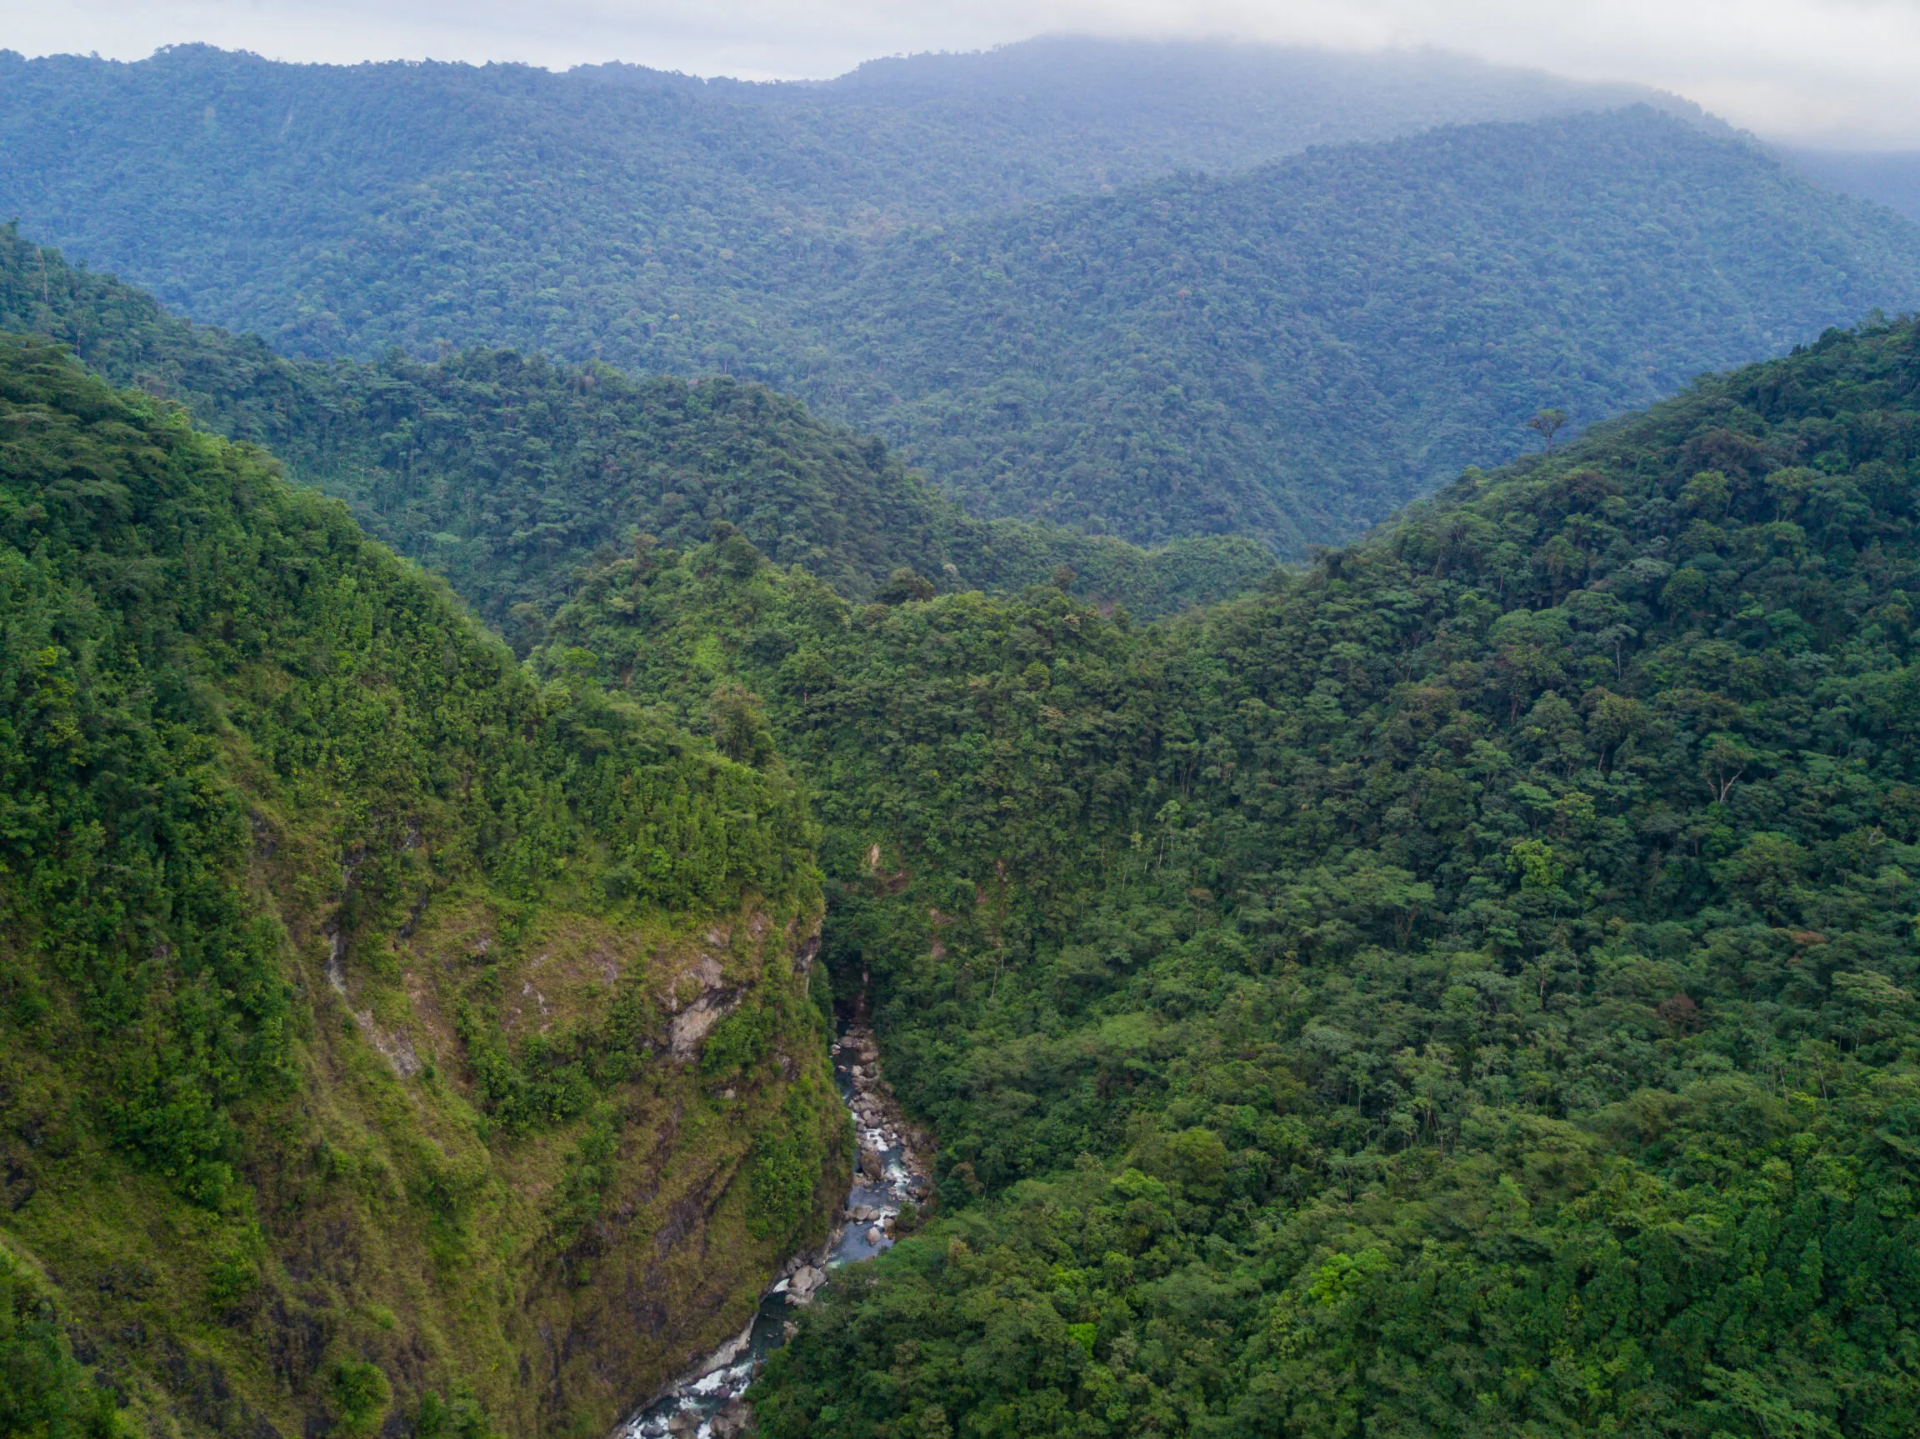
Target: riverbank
892 1182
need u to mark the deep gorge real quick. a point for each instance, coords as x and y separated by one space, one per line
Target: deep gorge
1318 837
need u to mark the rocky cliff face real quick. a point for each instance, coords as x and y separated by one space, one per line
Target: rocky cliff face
554 1273
387 1044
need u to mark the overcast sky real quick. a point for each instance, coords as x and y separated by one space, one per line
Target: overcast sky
1824 71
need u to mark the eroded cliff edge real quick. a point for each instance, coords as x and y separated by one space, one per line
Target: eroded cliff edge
388 1043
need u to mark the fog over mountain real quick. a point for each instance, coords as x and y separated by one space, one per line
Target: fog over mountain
1830 71
1887 177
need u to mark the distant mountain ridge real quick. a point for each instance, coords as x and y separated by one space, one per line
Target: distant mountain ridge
1069 114
916 137
1890 178
1294 351
293 199
1284 352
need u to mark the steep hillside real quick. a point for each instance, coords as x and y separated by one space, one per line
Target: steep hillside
505 473
1292 353
621 213
1467 989
387 1043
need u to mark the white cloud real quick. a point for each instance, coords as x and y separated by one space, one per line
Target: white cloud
1845 71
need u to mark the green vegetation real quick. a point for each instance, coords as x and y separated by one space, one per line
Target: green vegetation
984 260
1467 988
506 473
1294 352
630 215
43 1392
345 973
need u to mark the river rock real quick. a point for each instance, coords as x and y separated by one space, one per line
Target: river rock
686 1422
871 1164
734 1419
807 1279
874 1236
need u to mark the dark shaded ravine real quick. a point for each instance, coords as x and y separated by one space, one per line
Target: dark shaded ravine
893 1169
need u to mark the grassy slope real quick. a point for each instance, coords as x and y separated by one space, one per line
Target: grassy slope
339 968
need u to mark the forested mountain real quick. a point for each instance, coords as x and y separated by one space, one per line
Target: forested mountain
1465 989
1465 985
1284 354
1294 352
378 1028
340 209
505 472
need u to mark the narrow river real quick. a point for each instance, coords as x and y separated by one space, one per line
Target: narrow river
705 1403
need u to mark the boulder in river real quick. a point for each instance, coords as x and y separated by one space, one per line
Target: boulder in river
871 1164
807 1279
734 1419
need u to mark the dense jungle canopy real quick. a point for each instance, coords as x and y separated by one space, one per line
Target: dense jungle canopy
652 572
1465 989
